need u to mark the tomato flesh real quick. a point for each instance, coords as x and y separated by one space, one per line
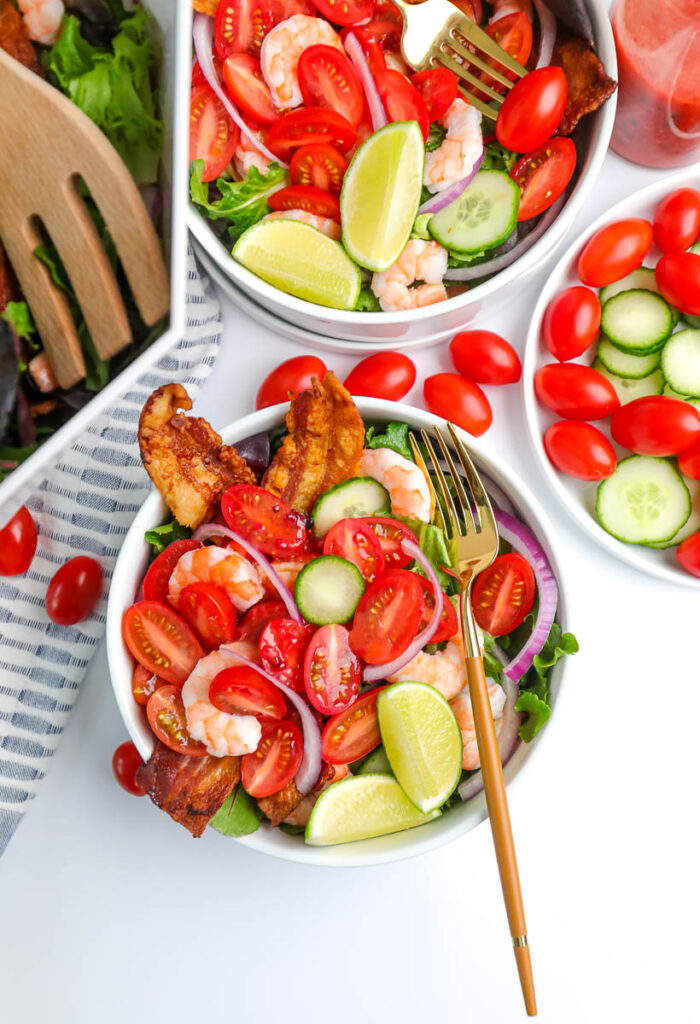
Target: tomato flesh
213 135
390 533
485 358
144 684
374 54
580 450
74 591
167 719
309 125
389 375
156 580
345 12
264 520
161 641
401 100
293 375
319 165
386 24
328 79
354 540
282 646
656 425
240 26
332 671
678 278
615 251
677 220
513 33
306 197
571 322
503 594
209 612
126 761
438 90
387 618
244 81
688 554
543 176
276 760
256 618
448 624
354 733
575 392
532 110
461 401
241 690
18 539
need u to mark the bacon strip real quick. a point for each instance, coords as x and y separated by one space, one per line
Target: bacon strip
588 85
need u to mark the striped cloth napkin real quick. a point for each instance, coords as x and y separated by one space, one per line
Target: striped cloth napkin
83 505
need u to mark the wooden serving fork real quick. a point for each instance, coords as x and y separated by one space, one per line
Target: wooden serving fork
48 145
436 32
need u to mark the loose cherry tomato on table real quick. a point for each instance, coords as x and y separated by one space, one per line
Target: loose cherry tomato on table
144 684
580 449
244 80
485 357
388 616
161 641
310 125
276 760
688 554
332 670
306 197
678 278
513 33
126 761
448 624
167 719
18 539
543 176
207 609
282 646
677 220
293 375
256 618
240 690
532 110
319 165
689 462
353 540
264 520
571 322
345 12
156 580
656 425
390 533
615 251
438 90
353 733
503 594
74 591
575 392
328 79
213 135
459 400
401 100
240 26
389 375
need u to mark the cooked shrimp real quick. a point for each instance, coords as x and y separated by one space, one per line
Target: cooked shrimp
404 480
280 52
325 224
300 814
445 670
419 261
462 707
42 19
223 566
502 8
222 734
246 155
459 150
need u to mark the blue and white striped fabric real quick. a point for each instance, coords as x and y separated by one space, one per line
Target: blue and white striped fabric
84 505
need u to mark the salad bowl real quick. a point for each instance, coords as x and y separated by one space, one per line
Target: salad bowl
511 494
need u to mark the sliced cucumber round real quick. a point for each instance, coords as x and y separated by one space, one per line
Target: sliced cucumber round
637 321
629 388
644 501
328 589
354 498
644 278
623 364
482 217
695 402
692 523
680 362
376 762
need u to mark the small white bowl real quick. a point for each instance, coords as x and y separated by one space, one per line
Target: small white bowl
577 496
129 571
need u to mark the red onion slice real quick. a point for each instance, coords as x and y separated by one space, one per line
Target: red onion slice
507 741
374 672
548 33
216 530
310 768
442 199
359 62
203 36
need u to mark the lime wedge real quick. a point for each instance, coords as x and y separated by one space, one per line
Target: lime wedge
422 741
381 194
301 261
360 807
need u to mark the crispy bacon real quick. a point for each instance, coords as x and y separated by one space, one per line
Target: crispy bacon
323 446
206 6
280 806
14 38
588 85
190 789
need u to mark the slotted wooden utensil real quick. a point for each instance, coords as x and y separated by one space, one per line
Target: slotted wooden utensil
48 145
474 537
436 32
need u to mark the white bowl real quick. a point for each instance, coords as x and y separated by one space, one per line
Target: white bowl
577 496
131 566
439 321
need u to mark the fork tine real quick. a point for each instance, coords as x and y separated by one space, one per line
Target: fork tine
473 34
478 62
452 527
420 461
481 498
467 513
467 76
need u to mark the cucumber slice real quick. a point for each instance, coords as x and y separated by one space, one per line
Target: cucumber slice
644 279
637 321
695 248
482 217
359 496
629 388
692 523
622 364
328 589
644 501
695 402
375 763
680 362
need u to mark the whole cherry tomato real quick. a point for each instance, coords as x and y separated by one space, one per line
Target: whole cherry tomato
126 761
678 278
689 462
677 220
532 110
615 251
293 375
74 591
580 450
17 543
485 357
575 392
459 400
656 425
571 322
688 554
389 375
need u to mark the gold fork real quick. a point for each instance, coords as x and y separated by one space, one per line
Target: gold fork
436 32
473 536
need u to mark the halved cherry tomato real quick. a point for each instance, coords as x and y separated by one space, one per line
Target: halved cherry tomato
256 618
208 610
319 165
615 251
656 425
438 90
345 12
74 591
390 533
276 760
580 449
513 33
240 26
571 322
283 9
244 81
156 580
543 176
282 647
167 719
575 392
688 554
677 220
503 594
160 640
388 616
18 539
309 124
306 197
293 375
532 110
198 75
374 55
678 278
401 100
353 733
264 520
240 690
689 462
448 624
332 671
459 400
126 761
472 9
389 375
328 79
358 543
485 358
386 24
213 135
144 684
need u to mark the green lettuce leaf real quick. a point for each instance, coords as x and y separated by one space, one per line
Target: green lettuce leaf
18 314
534 686
420 227
243 203
395 437
367 301
498 158
436 134
239 815
161 536
14 455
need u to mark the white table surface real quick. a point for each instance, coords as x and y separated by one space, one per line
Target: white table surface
110 913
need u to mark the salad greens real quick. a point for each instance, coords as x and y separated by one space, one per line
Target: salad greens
239 815
395 437
367 301
159 537
243 203
534 687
